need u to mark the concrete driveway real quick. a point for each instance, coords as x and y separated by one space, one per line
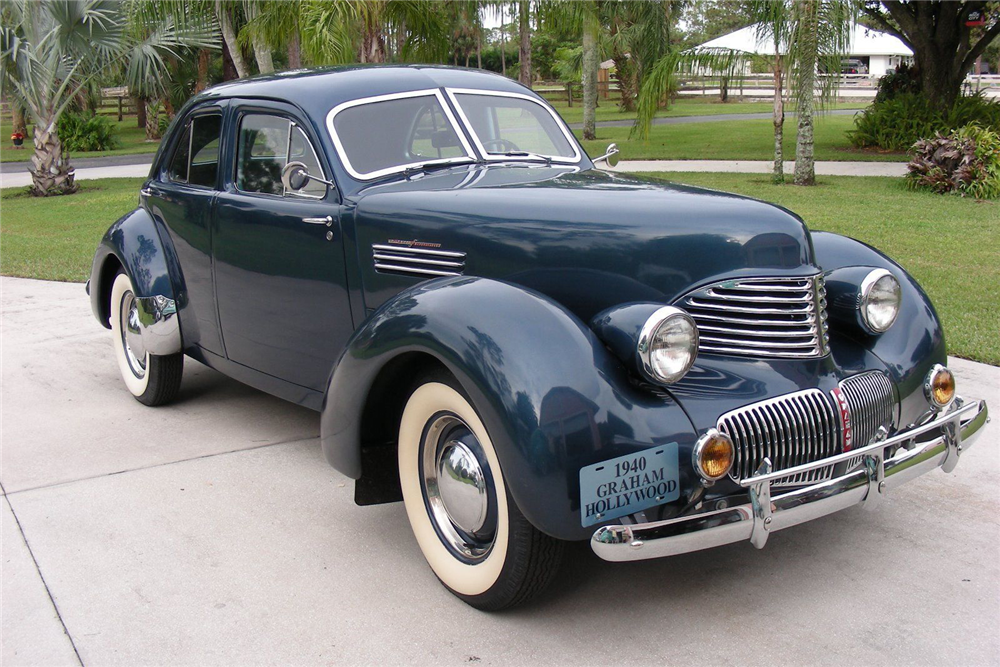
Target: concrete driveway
212 532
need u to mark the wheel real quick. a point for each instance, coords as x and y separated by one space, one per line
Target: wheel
466 523
152 379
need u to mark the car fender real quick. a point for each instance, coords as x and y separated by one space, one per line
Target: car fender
135 244
914 343
552 397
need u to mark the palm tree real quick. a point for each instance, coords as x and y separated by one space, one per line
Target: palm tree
225 11
638 35
50 50
524 22
276 24
773 21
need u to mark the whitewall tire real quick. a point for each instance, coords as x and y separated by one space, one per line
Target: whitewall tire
152 379
467 525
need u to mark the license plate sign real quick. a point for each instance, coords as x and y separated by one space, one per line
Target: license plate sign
627 484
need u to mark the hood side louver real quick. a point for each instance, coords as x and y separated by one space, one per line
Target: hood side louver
418 262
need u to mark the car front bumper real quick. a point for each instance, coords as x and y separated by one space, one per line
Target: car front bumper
950 433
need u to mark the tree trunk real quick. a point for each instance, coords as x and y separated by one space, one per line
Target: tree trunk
229 39
627 84
940 82
479 48
295 50
262 54
229 72
524 76
590 66
779 119
51 173
153 123
372 45
805 169
18 122
140 111
202 81
503 45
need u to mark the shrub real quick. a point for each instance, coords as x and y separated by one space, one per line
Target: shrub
897 123
903 79
86 132
966 161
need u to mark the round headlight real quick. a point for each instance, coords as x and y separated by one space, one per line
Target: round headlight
713 455
939 387
668 345
880 299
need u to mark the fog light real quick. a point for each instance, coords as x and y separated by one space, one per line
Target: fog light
713 455
939 387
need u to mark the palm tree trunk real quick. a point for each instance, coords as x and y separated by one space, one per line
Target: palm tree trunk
18 122
294 50
779 119
229 37
202 81
479 47
590 66
140 111
524 76
503 44
153 124
805 168
51 173
262 53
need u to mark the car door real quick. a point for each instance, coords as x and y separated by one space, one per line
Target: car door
182 195
279 256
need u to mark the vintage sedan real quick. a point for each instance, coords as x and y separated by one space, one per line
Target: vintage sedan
524 349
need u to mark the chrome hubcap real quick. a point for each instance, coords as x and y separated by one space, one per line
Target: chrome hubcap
135 351
458 487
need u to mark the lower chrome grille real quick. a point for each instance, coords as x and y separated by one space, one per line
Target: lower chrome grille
870 400
790 430
419 262
762 317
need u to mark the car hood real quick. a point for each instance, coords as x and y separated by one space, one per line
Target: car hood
588 239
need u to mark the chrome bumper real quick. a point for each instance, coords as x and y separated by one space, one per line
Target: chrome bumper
765 513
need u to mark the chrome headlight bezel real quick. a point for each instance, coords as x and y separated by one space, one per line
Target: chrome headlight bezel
864 298
664 316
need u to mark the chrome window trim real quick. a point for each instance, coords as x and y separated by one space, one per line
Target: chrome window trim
454 92
291 124
368 176
189 127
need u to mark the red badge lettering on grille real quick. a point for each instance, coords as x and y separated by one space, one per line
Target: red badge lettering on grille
845 417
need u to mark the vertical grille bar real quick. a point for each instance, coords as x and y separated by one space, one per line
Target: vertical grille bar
872 405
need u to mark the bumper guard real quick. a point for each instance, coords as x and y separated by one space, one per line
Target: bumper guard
764 514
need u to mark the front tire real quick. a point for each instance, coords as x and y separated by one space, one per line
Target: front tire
467 524
152 379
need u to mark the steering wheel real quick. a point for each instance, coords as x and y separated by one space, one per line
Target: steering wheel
502 146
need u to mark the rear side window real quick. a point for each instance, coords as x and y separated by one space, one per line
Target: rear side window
196 158
266 144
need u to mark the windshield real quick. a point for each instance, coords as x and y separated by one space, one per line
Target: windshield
508 124
381 135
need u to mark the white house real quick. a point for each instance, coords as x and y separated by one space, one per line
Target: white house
879 51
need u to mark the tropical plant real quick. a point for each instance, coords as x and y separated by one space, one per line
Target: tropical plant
896 123
965 161
773 22
51 49
86 132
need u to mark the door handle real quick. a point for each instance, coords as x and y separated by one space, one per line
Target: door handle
325 220
146 192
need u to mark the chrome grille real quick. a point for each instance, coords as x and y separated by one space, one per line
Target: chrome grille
870 400
790 430
762 317
419 262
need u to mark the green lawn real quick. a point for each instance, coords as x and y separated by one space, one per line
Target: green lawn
132 140
948 243
733 140
608 109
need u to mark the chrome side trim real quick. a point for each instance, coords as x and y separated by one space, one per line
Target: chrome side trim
158 324
419 262
766 513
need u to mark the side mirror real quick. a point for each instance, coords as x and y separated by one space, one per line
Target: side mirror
610 156
295 176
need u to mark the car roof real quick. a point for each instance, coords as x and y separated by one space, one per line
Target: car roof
318 90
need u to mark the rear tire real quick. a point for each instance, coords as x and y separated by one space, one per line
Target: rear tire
480 547
152 379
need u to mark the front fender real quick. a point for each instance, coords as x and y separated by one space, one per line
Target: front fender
134 243
551 395
913 344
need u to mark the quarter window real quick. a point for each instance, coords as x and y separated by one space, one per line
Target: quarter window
267 143
200 138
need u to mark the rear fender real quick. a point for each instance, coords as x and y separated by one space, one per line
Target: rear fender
550 394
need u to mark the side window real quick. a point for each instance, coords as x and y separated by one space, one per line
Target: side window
266 144
201 139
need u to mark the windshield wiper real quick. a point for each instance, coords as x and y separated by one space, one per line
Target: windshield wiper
427 167
534 156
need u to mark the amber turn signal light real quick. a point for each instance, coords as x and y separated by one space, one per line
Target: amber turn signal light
713 455
940 387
